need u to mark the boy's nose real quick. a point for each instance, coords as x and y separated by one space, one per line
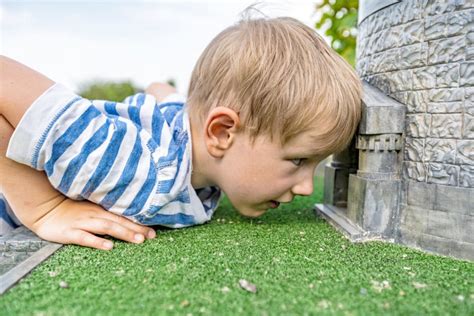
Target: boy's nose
304 187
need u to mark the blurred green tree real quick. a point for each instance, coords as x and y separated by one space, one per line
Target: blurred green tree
107 90
339 18
171 82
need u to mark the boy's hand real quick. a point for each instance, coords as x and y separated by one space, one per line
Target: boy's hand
160 90
76 222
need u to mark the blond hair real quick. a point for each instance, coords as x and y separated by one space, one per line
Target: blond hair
283 80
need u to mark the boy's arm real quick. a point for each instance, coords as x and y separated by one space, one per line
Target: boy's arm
160 90
51 215
29 192
19 87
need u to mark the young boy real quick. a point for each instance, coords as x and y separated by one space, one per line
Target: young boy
268 100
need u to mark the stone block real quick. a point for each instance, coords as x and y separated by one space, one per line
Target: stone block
410 10
465 4
469 50
400 96
450 225
412 56
371 44
440 150
446 126
437 7
445 107
416 101
460 22
380 114
469 101
439 245
378 161
447 76
375 65
417 125
468 127
435 27
372 203
414 218
392 15
378 41
466 177
421 194
381 81
465 152
410 33
424 78
466 72
446 50
374 24
362 66
414 149
446 95
414 171
391 58
452 199
401 80
442 174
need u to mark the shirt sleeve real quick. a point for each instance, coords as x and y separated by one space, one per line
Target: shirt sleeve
98 151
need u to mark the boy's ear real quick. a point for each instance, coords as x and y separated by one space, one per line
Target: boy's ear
220 128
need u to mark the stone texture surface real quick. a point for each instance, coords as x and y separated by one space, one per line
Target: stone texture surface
440 150
442 174
468 127
465 152
17 246
466 176
418 125
414 170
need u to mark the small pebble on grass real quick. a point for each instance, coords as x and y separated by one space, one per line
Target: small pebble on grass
418 285
246 285
225 289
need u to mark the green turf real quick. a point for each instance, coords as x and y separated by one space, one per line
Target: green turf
299 264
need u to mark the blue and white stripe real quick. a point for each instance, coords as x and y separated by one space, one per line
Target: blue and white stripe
133 158
8 220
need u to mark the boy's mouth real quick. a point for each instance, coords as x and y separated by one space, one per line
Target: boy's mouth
274 204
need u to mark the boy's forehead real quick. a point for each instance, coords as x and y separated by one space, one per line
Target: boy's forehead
304 144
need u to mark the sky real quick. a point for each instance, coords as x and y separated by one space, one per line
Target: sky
75 42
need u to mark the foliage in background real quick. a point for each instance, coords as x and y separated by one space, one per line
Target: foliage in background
340 19
110 91
171 82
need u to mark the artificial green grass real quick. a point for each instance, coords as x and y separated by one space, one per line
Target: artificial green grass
299 264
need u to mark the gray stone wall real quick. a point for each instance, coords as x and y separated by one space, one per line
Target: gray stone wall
421 53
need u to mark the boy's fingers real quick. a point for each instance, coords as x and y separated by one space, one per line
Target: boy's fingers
144 230
109 227
83 238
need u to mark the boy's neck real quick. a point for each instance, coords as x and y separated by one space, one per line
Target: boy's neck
201 165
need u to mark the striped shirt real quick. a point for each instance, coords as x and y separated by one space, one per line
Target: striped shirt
132 158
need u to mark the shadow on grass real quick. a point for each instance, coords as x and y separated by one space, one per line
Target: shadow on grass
300 210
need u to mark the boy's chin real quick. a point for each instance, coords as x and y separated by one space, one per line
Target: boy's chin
252 213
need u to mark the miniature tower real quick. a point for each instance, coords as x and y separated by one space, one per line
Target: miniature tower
413 181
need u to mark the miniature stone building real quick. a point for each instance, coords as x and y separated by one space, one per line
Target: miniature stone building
409 174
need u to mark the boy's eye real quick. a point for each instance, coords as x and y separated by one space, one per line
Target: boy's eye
298 162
